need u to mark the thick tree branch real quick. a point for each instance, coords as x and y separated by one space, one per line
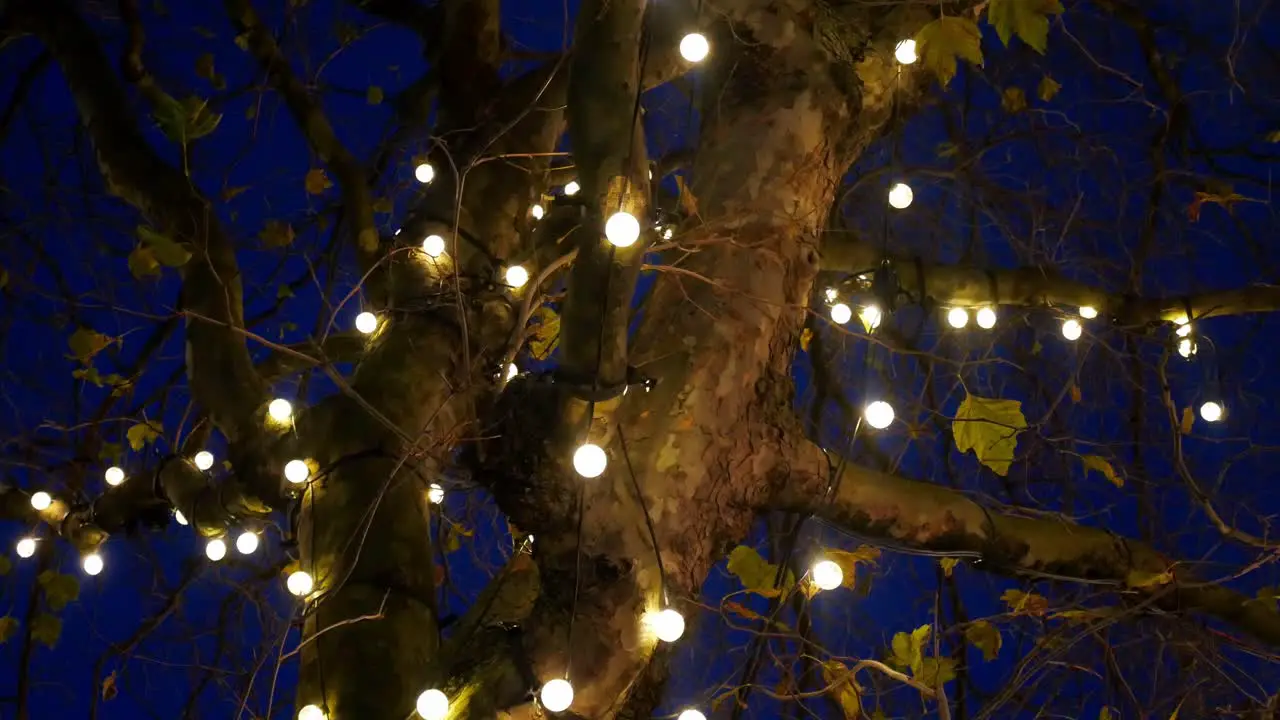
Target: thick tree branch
315 126
971 285
337 348
926 516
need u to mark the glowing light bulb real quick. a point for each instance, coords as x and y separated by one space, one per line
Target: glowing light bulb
986 318
1187 347
215 549
299 583
666 234
280 410
203 460
590 460
878 414
694 47
433 246
831 294
571 188
1181 319
691 715
622 229
957 317
827 575
1211 411
366 322
841 313
114 476
1088 312
900 196
91 564
667 625
247 542
1071 329
26 547
556 695
297 471
432 705
871 316
424 173
1183 330
177 515
435 493
905 51
312 712
512 371
537 212
517 276
41 500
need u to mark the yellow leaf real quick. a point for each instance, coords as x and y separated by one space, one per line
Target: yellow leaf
142 433
1024 603
383 205
1144 579
848 561
1106 714
805 338
908 649
948 565
142 262
944 40
545 333
276 234
1188 420
753 571
1100 464
368 240
1013 100
232 192
1076 395
1048 88
1028 19
85 343
842 688
986 637
374 95
989 427
317 182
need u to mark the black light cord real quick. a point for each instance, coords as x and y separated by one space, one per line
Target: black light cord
648 521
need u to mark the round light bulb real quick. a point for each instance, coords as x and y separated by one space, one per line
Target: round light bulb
432 705
537 212
26 547
1071 329
203 460
433 246
905 51
297 471
435 493
622 229
900 196
1181 319
366 322
299 583
280 410
41 500
556 695
841 313
512 371
114 476
827 575
694 47
691 715
572 187
590 460
91 563
424 173
1088 312
957 317
517 276
247 542
986 318
177 515
667 233
1186 347
871 316
667 625
879 414
215 549
831 294
312 712
1211 411
1183 330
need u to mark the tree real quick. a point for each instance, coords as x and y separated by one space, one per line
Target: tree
1051 462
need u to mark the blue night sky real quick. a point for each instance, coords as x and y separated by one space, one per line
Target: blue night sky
1064 184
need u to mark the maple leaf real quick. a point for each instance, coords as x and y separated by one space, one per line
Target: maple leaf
1028 19
944 40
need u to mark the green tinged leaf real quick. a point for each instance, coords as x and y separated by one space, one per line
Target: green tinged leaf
7 627
848 561
1095 463
1025 603
842 688
316 181
383 205
1144 579
948 565
276 234
166 250
944 40
85 343
4 278
374 95
111 451
5 564
754 572
989 427
986 637
46 629
936 671
143 263
141 434
1106 714
908 649
545 332
60 590
1048 88
1273 136
183 120
1013 100
1028 19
